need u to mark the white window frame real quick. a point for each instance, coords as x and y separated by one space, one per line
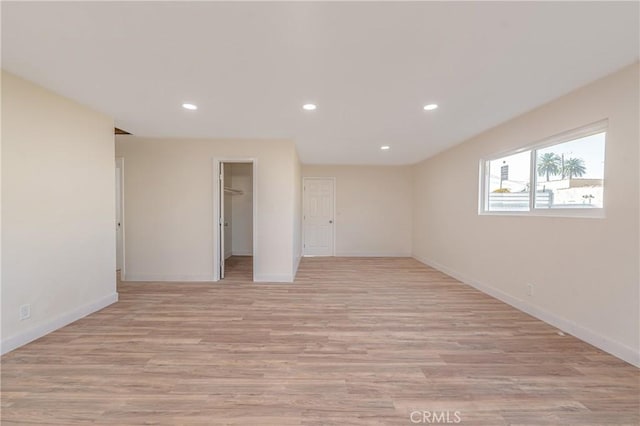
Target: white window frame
581 132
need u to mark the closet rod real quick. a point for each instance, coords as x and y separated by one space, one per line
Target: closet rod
233 191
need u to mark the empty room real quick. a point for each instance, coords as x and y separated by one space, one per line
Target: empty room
320 213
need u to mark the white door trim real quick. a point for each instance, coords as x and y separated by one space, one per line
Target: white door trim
120 162
221 221
333 242
216 209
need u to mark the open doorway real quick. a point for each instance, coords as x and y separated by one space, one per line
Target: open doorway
119 217
236 224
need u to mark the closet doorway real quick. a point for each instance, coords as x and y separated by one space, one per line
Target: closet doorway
236 213
120 217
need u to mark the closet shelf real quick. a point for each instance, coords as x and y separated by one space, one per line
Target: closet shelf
233 191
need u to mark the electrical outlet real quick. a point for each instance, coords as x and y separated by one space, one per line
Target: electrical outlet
25 312
530 289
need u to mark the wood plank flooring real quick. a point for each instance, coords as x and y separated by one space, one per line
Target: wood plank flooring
352 342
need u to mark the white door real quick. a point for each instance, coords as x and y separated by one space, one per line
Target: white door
119 239
318 204
221 220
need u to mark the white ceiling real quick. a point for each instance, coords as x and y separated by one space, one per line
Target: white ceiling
370 67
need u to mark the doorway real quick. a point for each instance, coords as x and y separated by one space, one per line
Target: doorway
236 220
318 216
119 177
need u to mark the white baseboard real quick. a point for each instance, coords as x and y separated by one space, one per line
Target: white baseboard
169 278
60 321
228 255
272 278
241 253
617 349
370 254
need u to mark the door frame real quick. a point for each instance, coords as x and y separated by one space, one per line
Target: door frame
119 161
304 216
216 209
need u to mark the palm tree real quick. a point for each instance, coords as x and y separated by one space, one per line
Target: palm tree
549 164
574 167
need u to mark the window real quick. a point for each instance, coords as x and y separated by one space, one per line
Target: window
567 172
508 181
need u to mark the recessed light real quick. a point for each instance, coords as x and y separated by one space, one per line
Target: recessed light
430 107
191 107
309 107
385 147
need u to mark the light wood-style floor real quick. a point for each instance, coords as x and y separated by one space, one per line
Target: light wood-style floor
239 268
352 342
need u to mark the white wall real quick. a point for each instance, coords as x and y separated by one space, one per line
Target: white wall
373 208
242 209
58 211
585 271
169 194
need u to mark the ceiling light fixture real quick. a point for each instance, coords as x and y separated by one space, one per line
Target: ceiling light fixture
309 107
385 147
430 107
191 107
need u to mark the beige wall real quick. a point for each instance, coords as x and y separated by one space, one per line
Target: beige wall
373 208
169 213
584 271
58 211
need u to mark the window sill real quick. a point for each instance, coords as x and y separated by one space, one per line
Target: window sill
574 213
